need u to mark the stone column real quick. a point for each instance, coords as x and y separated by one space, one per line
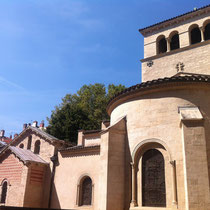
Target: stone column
202 34
168 44
133 196
173 164
78 197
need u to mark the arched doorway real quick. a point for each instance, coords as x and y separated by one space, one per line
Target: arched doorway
153 179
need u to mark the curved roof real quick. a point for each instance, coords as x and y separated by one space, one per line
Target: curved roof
188 78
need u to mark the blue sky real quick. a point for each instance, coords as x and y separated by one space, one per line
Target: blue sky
52 47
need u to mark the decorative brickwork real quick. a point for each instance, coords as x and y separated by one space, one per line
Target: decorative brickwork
36 176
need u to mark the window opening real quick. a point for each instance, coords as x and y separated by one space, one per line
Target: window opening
21 146
207 32
162 46
86 191
195 35
174 44
153 179
37 147
4 192
29 142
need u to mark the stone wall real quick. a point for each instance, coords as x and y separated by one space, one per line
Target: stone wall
72 167
195 58
155 116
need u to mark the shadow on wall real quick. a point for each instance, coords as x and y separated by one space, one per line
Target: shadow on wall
128 160
55 204
207 135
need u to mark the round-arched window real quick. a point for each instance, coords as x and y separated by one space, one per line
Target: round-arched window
207 32
86 191
195 35
162 45
174 44
37 147
4 192
29 142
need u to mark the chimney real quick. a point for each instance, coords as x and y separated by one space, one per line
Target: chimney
24 126
41 126
2 133
80 139
10 137
15 135
105 124
34 124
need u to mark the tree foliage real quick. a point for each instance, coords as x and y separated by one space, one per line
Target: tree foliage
83 110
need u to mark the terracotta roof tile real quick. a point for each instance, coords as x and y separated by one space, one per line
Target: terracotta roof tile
192 78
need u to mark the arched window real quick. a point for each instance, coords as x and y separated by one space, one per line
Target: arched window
153 179
195 35
207 32
161 45
4 192
21 146
174 44
86 191
29 142
37 147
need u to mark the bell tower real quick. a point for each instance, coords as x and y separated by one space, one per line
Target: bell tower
180 45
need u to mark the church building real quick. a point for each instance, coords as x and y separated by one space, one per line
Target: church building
154 154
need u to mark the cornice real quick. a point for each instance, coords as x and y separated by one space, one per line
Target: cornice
175 20
80 151
159 85
189 47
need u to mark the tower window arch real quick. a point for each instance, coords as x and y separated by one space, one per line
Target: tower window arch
4 191
174 43
86 186
195 34
207 32
161 44
153 179
29 142
37 147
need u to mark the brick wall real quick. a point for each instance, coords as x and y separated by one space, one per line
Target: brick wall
11 168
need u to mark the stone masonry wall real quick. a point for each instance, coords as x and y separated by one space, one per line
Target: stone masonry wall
196 58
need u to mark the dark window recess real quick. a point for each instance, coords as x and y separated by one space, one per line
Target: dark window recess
4 192
162 46
174 44
21 146
29 142
207 32
86 191
153 179
37 147
195 35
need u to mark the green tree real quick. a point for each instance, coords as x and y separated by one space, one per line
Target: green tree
83 110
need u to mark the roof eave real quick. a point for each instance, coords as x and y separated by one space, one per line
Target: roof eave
163 24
